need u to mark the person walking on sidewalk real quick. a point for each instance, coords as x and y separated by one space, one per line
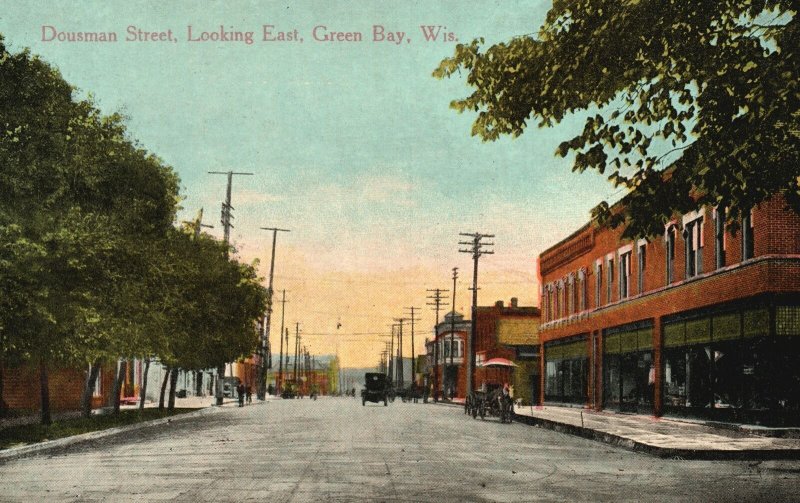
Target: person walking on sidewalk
249 394
240 391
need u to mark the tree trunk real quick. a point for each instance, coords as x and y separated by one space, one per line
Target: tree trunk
220 380
88 389
45 393
121 369
143 391
163 389
198 383
173 382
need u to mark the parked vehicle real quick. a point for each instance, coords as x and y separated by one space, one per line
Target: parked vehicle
229 386
289 390
376 389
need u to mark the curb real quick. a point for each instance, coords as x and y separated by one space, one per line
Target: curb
33 449
661 452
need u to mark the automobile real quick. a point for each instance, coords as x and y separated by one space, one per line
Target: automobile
230 383
376 388
289 390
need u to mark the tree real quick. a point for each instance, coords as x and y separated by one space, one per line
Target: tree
79 201
687 103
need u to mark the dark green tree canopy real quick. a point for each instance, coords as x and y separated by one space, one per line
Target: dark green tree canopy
688 103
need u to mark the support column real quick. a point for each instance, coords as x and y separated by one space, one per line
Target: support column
541 373
658 386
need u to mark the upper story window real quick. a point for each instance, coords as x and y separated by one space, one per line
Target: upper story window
624 273
748 236
720 242
558 300
669 244
598 270
641 255
583 290
452 345
610 280
570 291
693 242
545 303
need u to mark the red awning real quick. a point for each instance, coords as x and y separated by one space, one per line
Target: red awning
498 362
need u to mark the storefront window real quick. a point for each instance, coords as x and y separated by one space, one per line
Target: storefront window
729 367
628 369
567 372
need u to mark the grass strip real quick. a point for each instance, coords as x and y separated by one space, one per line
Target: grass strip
15 436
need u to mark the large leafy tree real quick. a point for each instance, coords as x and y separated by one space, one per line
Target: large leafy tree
79 201
685 103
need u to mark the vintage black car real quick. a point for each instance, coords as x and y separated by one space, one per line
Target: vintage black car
376 388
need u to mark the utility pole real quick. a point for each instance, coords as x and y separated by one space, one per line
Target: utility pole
452 384
400 350
227 216
197 224
279 380
296 349
437 303
476 250
413 357
266 352
287 351
392 366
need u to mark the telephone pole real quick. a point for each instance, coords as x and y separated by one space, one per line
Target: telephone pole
437 303
279 380
197 224
266 353
227 216
476 250
392 360
400 350
452 383
296 349
413 357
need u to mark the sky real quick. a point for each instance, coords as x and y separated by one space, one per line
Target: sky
352 146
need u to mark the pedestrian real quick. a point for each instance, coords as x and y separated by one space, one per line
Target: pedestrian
249 395
240 391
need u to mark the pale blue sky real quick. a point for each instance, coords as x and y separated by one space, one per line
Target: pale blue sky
353 144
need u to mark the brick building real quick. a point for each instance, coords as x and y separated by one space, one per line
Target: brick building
21 388
509 332
697 322
450 372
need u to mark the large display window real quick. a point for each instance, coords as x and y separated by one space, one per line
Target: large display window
730 367
566 372
628 369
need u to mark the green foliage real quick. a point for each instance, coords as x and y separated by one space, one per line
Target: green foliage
90 264
34 433
709 88
210 302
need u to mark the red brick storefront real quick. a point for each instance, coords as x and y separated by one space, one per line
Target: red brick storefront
697 322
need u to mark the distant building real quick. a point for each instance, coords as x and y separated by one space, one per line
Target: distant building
698 322
449 372
511 333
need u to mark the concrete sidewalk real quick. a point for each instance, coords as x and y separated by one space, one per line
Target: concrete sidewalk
667 437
